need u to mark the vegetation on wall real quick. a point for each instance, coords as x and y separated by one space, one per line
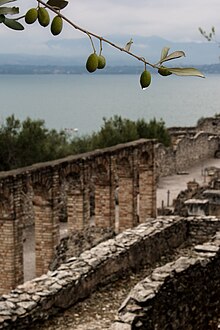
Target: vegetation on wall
28 142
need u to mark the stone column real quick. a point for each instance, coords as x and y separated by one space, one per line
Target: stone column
102 192
46 224
125 199
125 194
11 245
147 188
102 205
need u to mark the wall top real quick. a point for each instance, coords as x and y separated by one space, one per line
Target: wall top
80 157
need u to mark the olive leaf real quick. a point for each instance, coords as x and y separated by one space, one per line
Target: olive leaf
58 4
13 24
186 72
164 53
3 2
9 10
128 45
208 36
172 56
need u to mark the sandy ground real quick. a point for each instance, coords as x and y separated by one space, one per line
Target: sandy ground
175 183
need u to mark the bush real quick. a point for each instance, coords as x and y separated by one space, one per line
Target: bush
30 142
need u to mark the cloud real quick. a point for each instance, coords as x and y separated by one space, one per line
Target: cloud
173 20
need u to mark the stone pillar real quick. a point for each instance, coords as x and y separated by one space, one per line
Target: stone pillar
44 234
46 225
147 188
125 195
11 245
11 255
102 206
125 199
114 209
102 192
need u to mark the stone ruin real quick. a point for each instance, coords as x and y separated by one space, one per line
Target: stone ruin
181 294
40 193
84 187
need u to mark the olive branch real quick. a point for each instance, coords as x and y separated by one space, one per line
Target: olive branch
56 6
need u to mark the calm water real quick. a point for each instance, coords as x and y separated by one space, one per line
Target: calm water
81 101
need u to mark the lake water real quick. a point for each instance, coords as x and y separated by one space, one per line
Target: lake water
81 101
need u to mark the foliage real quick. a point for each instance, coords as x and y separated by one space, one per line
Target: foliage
118 130
22 144
210 36
41 15
28 142
153 130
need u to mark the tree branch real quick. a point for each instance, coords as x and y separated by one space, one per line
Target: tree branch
139 58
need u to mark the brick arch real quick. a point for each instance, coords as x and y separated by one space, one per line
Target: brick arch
145 158
101 173
118 166
124 167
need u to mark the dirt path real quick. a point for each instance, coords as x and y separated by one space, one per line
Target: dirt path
176 183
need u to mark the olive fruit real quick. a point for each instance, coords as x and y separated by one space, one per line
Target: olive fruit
164 71
145 79
43 17
31 16
92 62
101 62
56 25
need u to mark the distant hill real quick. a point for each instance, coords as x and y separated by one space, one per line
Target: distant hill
80 69
68 52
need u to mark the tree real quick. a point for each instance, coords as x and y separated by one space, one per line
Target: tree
29 142
94 61
153 130
114 131
121 130
8 143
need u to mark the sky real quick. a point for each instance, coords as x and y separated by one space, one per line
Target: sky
173 20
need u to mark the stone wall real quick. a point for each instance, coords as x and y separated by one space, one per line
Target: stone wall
44 191
185 153
210 125
146 244
183 294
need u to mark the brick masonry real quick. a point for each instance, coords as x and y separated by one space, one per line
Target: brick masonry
43 189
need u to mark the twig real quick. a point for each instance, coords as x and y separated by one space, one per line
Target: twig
75 26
